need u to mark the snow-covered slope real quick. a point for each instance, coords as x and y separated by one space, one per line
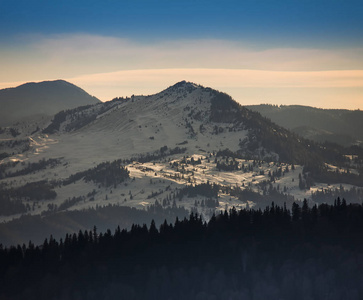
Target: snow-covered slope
167 141
144 124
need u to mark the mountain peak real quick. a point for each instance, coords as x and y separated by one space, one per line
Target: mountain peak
184 85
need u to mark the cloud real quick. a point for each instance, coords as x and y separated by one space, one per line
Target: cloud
201 53
226 77
63 56
108 66
315 88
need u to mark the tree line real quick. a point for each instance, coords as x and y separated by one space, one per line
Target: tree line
276 253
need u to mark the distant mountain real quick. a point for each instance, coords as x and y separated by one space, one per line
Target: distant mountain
40 99
332 125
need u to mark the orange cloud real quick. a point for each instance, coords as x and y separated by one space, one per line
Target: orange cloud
153 80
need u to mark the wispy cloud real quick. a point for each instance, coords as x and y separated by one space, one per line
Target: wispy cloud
227 78
59 56
109 66
316 88
126 54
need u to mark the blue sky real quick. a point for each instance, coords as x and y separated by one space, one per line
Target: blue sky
291 22
81 40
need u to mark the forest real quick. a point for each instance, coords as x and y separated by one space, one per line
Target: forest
276 253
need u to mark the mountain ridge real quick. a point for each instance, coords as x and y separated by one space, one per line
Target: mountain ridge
332 125
203 112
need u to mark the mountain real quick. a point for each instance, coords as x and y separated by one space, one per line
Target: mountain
186 149
184 113
40 99
332 125
228 178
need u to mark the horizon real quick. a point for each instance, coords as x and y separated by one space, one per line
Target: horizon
275 52
165 87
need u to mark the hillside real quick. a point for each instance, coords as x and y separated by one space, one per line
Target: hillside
40 99
332 125
186 149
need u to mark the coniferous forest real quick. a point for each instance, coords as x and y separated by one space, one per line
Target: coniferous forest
300 252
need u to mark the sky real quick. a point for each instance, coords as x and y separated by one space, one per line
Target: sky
270 51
